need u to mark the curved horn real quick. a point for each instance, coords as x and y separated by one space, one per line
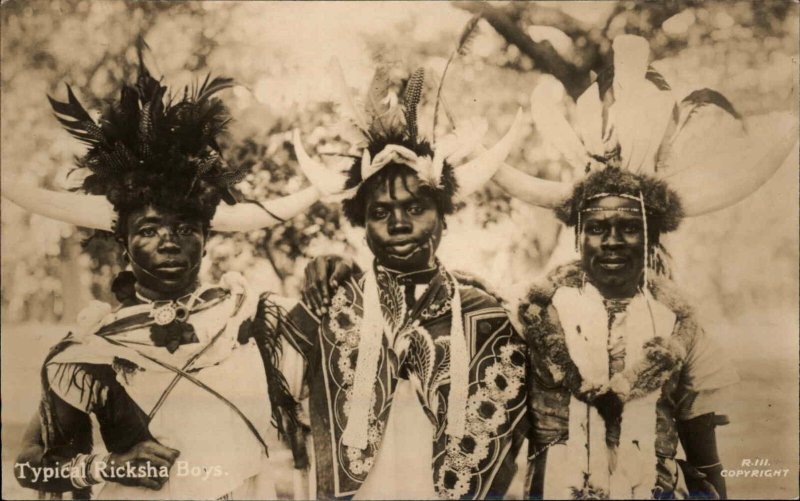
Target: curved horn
88 211
553 126
475 173
96 212
254 216
325 180
738 171
531 189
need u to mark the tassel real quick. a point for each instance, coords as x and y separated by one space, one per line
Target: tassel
369 351
459 370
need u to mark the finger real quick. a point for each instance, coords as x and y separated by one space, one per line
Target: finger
308 289
341 273
163 452
323 267
150 483
312 287
154 460
316 300
167 454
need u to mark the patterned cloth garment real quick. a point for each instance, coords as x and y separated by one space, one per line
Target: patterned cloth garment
416 348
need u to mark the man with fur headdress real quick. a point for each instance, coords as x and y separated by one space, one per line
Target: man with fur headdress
621 370
183 378
416 377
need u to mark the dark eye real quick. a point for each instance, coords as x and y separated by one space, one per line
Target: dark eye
632 228
378 213
147 231
185 230
416 210
594 229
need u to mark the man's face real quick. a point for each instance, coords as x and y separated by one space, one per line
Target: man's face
613 246
403 226
165 249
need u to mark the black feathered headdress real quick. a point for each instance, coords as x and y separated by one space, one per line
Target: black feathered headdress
151 148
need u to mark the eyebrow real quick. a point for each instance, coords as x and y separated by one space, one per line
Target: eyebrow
160 220
148 220
394 201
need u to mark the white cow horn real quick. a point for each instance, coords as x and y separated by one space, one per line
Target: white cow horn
531 189
96 212
88 211
324 179
475 173
251 216
731 176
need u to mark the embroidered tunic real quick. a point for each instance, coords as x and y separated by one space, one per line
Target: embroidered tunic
113 369
649 350
415 355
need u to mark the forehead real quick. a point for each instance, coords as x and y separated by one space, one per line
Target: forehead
611 207
152 214
398 188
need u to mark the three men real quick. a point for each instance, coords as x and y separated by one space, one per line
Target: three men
419 385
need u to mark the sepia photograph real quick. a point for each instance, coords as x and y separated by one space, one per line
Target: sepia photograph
400 249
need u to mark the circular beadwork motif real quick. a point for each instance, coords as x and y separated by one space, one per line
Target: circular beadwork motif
163 315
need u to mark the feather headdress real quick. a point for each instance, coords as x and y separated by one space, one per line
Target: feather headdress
152 147
629 119
387 130
149 148
385 124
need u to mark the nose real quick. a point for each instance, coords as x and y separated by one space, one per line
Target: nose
613 238
399 223
166 242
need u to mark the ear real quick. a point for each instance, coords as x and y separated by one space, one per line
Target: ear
123 245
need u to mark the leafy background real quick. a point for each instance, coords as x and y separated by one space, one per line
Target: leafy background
739 265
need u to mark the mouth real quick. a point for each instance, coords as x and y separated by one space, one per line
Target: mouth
612 263
172 267
403 248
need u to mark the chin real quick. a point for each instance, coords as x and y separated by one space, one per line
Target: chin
414 260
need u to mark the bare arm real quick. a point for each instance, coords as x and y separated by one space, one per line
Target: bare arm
31 457
36 468
704 477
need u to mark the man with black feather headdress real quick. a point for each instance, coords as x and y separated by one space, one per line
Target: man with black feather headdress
183 378
416 376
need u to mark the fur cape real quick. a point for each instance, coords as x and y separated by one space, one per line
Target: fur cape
545 336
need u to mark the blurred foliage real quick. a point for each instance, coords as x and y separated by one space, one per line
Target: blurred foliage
278 52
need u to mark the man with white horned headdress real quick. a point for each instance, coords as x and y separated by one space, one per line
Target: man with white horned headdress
621 371
183 378
416 375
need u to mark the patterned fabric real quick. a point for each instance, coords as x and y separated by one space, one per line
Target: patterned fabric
481 464
553 373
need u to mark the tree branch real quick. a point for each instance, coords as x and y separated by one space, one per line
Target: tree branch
544 56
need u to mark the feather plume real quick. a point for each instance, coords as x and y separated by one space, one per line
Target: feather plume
382 110
208 89
706 124
462 48
81 126
150 147
411 100
347 107
553 126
